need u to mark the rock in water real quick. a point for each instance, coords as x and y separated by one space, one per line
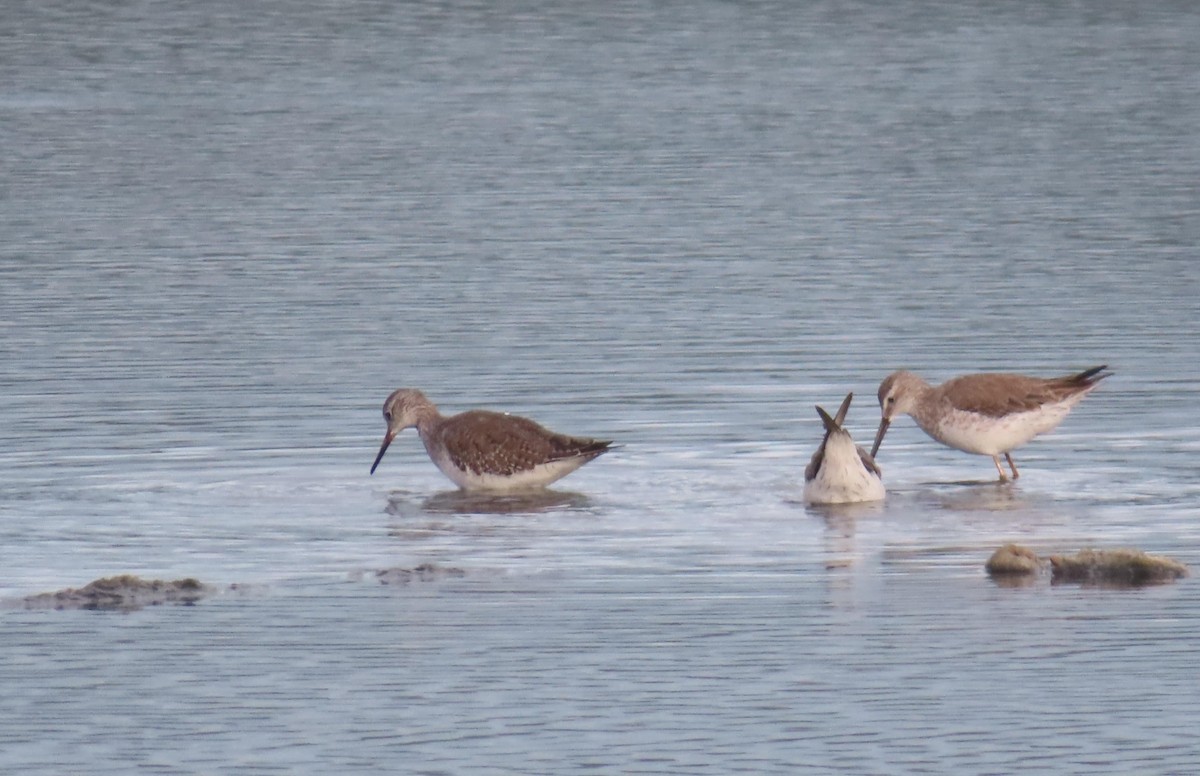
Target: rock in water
1123 567
1013 559
1113 568
124 593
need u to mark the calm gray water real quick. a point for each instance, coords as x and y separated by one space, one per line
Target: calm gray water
229 230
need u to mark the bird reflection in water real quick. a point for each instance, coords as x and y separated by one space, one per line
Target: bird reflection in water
843 554
974 496
841 548
459 502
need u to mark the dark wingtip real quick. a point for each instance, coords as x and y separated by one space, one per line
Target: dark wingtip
840 417
583 448
826 418
597 447
1092 376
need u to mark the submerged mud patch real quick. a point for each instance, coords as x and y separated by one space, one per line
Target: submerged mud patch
426 572
1013 564
124 593
1115 567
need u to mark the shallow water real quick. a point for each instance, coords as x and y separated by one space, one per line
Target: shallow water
230 233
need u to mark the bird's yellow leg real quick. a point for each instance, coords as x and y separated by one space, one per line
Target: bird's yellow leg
999 468
1011 465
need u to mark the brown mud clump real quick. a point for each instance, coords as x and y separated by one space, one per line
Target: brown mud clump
1013 564
426 572
1121 568
1014 560
124 593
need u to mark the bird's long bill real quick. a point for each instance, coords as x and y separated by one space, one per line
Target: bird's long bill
883 427
387 440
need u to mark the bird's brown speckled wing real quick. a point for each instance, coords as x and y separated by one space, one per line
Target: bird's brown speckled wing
996 395
814 466
868 461
486 442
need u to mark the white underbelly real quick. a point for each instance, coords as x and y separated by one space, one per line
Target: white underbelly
984 435
843 479
537 477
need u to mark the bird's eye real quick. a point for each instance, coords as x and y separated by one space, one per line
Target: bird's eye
387 416
891 400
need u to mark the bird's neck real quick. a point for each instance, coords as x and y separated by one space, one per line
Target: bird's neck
428 419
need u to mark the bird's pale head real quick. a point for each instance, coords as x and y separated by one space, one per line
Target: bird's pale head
898 395
899 392
404 408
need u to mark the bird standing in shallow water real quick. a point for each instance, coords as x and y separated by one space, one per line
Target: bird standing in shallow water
841 472
486 451
985 414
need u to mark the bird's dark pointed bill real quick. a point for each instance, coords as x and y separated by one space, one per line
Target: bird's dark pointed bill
883 427
387 440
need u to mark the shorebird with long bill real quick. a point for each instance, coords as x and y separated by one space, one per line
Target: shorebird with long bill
486 451
985 414
841 472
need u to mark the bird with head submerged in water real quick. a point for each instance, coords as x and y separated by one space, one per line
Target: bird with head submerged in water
985 414
841 472
486 451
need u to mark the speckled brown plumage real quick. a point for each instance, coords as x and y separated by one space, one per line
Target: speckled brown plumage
997 395
985 414
487 451
484 442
